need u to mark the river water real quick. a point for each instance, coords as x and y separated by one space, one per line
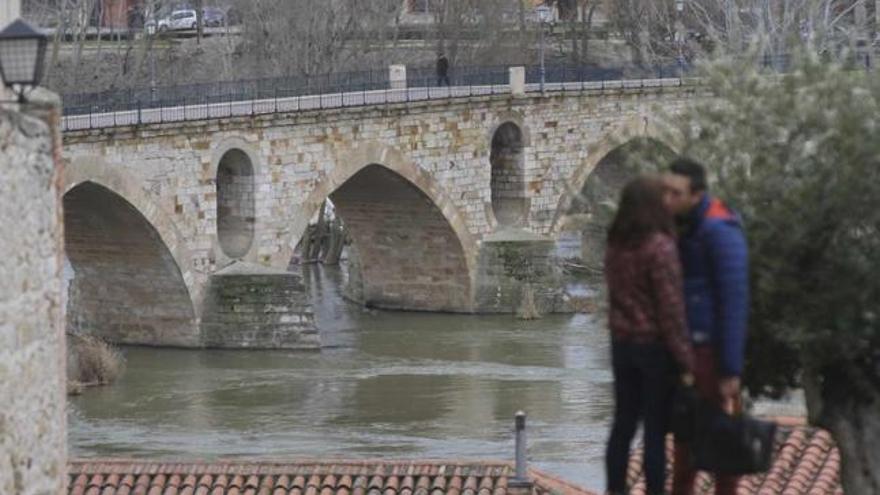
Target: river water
389 385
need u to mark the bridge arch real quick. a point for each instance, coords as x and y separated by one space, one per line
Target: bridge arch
641 129
93 169
415 250
127 286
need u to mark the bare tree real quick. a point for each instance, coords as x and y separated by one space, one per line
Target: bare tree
649 26
311 37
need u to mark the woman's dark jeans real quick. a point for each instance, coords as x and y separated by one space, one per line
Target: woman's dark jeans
640 393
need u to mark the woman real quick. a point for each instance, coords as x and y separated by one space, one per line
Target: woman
647 322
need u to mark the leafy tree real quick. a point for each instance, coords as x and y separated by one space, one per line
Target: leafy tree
798 155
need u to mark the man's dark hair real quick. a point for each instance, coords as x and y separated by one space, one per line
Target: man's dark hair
692 170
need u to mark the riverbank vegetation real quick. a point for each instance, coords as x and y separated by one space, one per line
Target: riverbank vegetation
91 362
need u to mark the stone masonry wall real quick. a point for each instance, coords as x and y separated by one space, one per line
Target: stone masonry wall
260 311
32 417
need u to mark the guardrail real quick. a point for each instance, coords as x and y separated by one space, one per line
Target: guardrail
271 95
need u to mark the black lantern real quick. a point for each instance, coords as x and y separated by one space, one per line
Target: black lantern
22 50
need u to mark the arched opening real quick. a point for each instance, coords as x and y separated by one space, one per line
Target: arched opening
584 226
508 184
408 255
235 203
126 286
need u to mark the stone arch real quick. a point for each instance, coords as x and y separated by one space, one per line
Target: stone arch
126 287
641 127
236 203
94 169
516 118
510 203
374 163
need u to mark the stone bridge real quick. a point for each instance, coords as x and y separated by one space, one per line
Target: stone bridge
181 233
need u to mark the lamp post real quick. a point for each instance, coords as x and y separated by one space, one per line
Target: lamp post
544 17
22 51
679 34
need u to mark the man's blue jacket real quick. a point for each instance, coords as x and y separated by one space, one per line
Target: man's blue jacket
714 256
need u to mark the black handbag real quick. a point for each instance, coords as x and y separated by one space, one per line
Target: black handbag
683 408
728 444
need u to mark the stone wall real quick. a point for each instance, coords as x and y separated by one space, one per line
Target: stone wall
259 309
511 261
32 418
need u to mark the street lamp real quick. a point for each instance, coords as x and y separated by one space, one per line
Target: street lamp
22 51
679 34
544 17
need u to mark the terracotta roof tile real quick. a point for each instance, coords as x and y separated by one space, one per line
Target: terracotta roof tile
806 461
129 477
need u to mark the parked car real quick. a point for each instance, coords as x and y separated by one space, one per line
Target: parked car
177 20
213 17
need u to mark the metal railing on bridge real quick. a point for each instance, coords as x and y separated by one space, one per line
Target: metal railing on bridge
149 105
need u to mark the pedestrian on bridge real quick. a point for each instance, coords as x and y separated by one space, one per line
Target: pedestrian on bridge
442 70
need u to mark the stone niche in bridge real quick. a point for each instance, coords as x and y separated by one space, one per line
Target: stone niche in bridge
510 202
235 203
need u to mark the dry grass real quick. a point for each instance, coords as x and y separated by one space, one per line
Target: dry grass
96 361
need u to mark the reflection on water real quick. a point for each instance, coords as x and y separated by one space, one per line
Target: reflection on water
390 384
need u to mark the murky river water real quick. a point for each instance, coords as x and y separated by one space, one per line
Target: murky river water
391 384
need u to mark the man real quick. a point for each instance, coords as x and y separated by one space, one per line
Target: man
442 70
714 259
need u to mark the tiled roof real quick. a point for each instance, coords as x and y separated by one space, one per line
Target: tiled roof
130 477
806 462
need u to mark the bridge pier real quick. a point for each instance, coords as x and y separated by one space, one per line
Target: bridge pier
510 261
250 306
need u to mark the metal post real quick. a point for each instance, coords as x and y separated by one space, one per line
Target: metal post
679 34
542 56
543 12
520 423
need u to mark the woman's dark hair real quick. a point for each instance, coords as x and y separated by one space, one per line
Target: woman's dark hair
640 213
